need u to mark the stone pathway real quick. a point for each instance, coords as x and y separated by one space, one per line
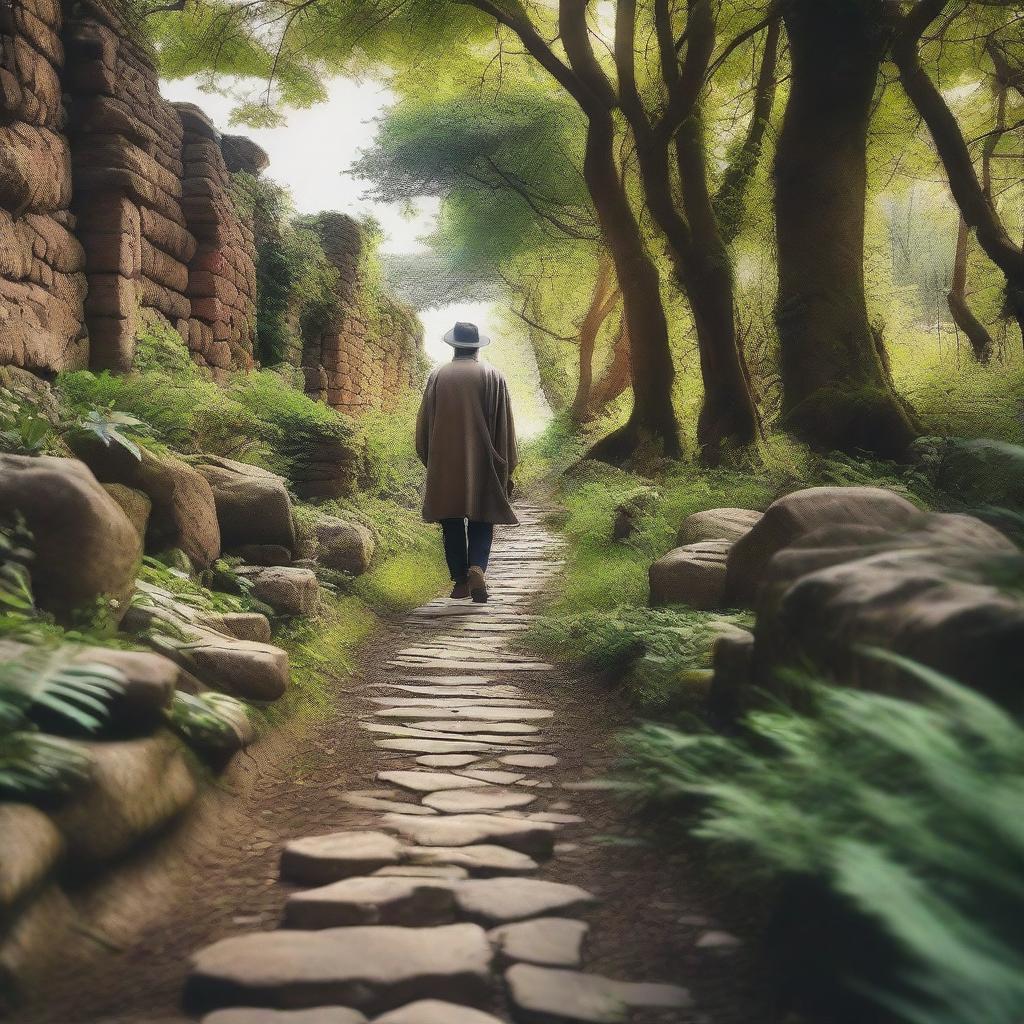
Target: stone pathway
440 912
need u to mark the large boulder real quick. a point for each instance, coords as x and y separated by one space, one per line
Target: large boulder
693 575
253 506
30 847
243 668
134 504
932 593
717 524
240 625
150 682
979 472
344 547
137 787
184 513
289 591
84 544
800 513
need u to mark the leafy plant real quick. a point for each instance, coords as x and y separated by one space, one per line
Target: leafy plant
33 765
188 591
15 555
114 428
24 430
908 814
207 721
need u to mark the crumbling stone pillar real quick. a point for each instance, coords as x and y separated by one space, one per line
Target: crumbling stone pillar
222 273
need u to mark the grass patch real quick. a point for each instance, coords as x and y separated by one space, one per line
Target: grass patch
322 652
661 657
404 581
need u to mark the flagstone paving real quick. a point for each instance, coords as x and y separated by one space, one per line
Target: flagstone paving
454 763
388 919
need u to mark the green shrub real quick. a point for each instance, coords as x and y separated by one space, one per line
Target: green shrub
168 391
292 425
906 815
392 469
296 284
193 593
662 657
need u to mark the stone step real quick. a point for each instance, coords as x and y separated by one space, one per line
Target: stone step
547 941
317 860
253 1015
535 838
485 712
372 969
411 732
433 1011
482 859
483 666
429 746
546 995
427 902
473 801
529 760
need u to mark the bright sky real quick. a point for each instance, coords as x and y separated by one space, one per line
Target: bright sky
310 154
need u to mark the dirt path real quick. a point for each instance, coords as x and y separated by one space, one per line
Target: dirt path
530 830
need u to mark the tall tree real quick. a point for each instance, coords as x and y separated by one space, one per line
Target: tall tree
690 226
837 389
959 307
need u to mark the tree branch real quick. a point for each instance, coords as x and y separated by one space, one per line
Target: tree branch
929 102
517 18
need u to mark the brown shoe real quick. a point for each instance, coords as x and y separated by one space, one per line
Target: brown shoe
477 584
461 589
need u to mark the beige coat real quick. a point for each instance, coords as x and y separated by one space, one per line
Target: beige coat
466 438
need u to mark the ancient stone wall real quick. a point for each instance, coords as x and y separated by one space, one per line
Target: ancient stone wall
126 170
222 273
111 200
115 202
369 355
42 284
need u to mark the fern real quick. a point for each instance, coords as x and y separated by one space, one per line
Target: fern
47 680
909 813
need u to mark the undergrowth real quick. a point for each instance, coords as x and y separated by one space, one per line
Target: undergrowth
902 816
660 657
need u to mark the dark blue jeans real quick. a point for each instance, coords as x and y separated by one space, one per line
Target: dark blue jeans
466 543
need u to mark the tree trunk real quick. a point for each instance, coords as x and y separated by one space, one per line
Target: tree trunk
653 415
963 316
837 391
699 254
615 378
728 413
602 302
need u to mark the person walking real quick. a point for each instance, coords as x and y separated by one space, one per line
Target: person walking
466 437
